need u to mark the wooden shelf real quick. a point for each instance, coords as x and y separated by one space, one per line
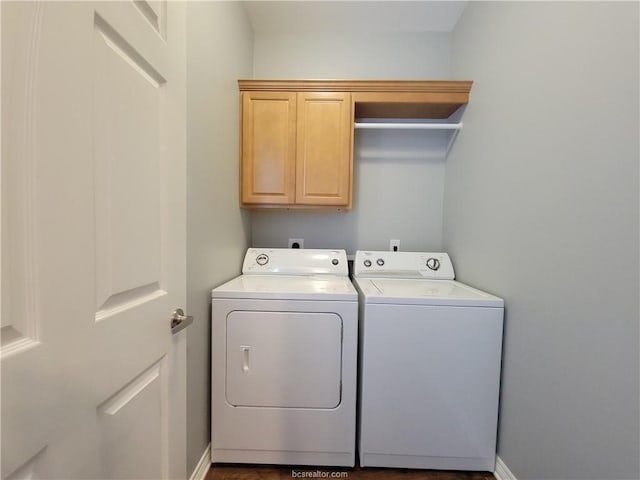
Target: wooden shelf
437 99
376 86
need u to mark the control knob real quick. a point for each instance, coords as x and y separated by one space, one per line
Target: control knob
433 264
380 262
262 259
367 263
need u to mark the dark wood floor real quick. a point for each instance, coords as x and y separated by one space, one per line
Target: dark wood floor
253 472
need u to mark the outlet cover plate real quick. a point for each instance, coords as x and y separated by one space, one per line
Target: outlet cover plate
299 241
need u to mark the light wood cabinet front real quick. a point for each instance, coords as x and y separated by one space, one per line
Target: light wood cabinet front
296 149
268 147
323 154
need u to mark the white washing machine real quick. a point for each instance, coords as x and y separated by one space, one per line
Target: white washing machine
284 360
430 354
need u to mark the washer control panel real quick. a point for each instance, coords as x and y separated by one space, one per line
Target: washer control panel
294 261
430 265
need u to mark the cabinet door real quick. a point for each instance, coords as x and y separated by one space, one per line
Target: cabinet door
323 153
268 147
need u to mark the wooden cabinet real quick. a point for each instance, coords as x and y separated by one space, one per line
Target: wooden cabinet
268 148
323 153
296 149
297 135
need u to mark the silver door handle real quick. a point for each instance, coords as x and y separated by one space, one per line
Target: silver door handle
180 321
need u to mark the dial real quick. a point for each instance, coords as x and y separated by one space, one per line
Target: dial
380 262
335 261
367 263
433 264
262 259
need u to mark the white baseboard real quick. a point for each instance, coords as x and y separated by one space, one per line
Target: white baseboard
203 465
502 471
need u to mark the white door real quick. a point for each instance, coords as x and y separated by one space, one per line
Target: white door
93 239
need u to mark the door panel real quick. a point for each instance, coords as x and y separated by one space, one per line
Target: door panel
323 155
127 96
284 359
268 147
135 414
19 320
93 206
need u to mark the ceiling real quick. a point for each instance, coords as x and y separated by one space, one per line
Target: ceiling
390 16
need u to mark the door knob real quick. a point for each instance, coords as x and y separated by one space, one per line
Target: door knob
180 321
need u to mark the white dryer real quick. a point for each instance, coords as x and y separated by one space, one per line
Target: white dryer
430 364
284 360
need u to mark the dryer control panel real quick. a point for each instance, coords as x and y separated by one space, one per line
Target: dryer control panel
293 261
430 265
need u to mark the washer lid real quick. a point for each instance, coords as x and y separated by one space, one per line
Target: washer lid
288 287
424 292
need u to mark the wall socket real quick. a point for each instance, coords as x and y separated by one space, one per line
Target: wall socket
394 245
296 243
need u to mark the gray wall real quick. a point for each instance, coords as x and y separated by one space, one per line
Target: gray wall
219 51
541 207
398 179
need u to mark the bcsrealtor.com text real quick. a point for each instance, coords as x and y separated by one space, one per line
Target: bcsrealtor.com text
318 474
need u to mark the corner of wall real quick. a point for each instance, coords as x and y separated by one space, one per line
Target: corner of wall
219 51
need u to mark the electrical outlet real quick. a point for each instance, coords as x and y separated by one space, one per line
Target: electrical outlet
394 245
296 243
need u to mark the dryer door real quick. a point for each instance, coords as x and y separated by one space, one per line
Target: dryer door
283 359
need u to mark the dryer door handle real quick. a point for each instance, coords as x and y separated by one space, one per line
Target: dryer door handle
245 358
